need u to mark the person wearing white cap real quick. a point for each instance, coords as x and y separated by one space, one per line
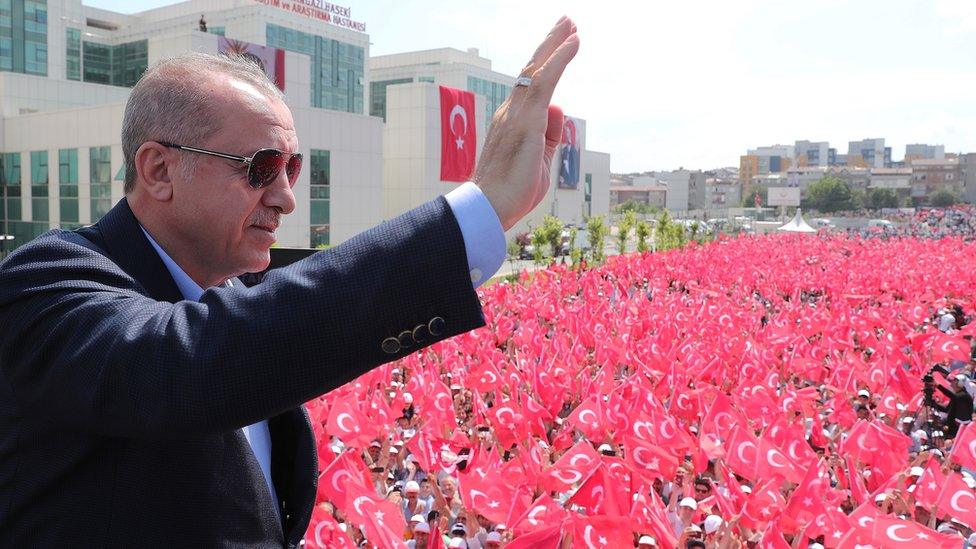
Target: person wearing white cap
646 542
683 517
493 540
411 504
421 536
712 524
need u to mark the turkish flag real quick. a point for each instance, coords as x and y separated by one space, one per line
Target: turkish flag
546 538
335 479
381 519
459 139
958 500
491 498
650 515
542 513
577 464
650 459
348 424
964 448
928 487
599 495
324 532
602 532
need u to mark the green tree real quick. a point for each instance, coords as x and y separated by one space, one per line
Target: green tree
749 198
942 198
538 244
626 223
829 194
597 232
634 206
668 235
642 231
882 198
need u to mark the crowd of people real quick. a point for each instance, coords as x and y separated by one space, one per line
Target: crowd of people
782 391
934 223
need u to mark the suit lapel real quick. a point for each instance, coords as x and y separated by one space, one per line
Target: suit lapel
119 234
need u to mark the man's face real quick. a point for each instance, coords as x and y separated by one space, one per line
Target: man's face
702 491
685 513
223 221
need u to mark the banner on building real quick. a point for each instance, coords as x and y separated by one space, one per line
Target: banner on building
569 153
272 60
459 140
783 196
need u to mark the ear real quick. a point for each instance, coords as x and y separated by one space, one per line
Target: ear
156 166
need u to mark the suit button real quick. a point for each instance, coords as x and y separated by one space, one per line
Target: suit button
406 339
436 326
391 346
420 333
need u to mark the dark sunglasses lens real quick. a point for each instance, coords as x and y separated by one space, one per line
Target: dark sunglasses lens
293 168
265 167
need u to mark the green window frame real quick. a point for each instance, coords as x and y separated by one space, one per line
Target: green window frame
40 180
68 185
320 164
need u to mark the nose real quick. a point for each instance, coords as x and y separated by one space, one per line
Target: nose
279 195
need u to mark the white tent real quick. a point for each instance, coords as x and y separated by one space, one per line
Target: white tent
797 225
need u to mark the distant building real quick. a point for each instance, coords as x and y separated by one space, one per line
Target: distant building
816 153
967 167
868 153
764 161
896 179
924 152
643 192
722 193
686 189
929 176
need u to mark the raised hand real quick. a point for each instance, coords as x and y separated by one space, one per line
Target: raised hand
513 171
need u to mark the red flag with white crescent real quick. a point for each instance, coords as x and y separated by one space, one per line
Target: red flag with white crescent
459 139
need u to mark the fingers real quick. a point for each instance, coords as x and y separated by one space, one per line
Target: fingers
560 31
546 78
554 128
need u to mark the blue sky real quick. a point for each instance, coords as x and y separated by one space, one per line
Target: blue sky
667 84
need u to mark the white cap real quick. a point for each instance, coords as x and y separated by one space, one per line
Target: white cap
815 545
375 444
500 527
458 543
411 486
863 393
688 502
494 536
921 434
421 527
745 489
972 539
907 420
418 518
969 481
961 377
916 471
880 497
604 448
408 398
695 528
646 540
713 523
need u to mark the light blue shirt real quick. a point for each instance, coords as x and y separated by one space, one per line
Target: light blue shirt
484 244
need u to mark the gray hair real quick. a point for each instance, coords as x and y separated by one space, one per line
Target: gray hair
171 103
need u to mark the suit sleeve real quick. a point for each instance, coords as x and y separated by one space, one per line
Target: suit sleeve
83 345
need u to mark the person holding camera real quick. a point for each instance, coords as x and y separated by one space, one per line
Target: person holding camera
959 409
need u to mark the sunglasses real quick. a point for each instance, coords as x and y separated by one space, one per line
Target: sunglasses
263 167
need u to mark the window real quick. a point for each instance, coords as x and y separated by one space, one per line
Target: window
319 181
338 69
39 186
120 65
377 95
68 185
494 93
10 180
73 54
23 36
100 160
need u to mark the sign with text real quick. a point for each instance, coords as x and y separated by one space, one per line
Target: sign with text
783 196
340 16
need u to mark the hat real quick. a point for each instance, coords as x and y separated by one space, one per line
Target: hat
421 527
646 540
458 543
418 518
907 420
412 486
500 527
969 481
745 489
920 434
604 448
972 540
880 497
946 528
455 386
394 450
815 545
863 393
916 471
459 527
713 523
408 398
695 528
375 444
494 536
688 502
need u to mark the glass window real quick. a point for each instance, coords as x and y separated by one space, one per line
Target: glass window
120 65
39 185
68 185
337 69
377 95
10 180
319 208
100 166
23 36
73 54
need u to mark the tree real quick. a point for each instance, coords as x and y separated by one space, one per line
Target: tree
642 231
942 198
749 198
829 194
882 198
597 235
627 222
634 206
668 235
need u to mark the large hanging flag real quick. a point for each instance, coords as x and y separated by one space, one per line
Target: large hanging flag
569 153
458 137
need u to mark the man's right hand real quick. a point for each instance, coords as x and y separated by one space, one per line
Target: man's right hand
513 171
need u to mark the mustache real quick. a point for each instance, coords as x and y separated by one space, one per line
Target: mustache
268 219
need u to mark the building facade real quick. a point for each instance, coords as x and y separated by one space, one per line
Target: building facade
66 74
918 151
868 153
404 90
930 176
814 153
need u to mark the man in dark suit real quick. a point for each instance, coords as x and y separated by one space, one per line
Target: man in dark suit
146 399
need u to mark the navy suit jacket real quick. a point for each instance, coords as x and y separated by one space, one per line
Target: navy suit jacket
121 404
